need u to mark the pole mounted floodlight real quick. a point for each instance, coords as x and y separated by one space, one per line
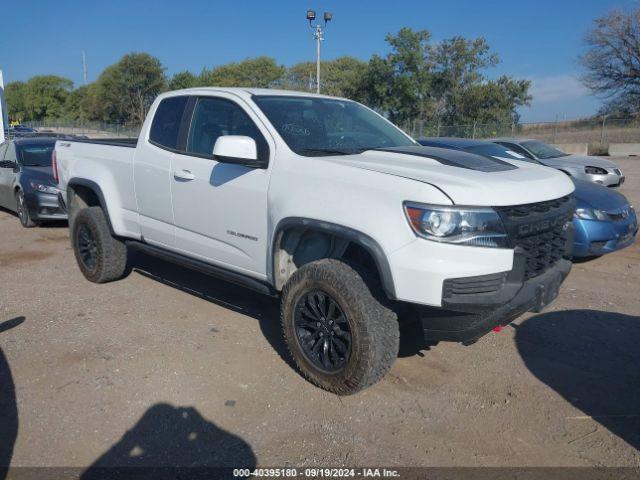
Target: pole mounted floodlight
318 34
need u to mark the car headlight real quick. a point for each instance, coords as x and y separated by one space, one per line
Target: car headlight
590 214
595 171
41 187
479 227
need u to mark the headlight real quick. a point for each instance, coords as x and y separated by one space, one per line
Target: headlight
40 187
590 214
595 171
479 227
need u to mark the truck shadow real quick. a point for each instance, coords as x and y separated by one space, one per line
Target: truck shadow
8 405
592 359
173 442
261 307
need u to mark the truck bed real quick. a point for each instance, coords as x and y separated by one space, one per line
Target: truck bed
116 142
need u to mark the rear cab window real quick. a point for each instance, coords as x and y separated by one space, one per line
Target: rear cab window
165 127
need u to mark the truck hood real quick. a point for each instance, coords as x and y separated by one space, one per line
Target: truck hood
514 183
578 161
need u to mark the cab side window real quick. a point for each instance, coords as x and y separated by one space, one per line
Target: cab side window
215 117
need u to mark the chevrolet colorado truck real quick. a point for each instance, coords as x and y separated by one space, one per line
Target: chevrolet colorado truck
326 204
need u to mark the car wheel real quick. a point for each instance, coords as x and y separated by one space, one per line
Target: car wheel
23 212
101 257
341 337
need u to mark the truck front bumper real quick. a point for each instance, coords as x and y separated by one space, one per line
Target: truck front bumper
473 306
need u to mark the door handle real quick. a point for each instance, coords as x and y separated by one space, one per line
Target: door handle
183 175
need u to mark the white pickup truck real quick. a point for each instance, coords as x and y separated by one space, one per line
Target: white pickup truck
325 203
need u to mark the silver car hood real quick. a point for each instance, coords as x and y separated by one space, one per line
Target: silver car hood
578 161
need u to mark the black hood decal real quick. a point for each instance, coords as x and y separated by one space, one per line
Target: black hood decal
454 158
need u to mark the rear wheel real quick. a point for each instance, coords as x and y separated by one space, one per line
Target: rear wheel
23 212
341 337
101 257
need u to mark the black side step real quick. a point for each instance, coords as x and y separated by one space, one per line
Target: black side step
203 267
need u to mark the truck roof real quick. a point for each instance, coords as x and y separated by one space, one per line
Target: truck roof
248 92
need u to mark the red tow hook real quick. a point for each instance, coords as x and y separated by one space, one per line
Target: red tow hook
497 329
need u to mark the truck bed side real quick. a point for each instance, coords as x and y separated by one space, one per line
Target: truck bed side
106 167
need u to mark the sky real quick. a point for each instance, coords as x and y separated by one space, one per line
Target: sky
538 40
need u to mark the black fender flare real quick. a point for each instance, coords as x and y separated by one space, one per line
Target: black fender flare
355 236
95 188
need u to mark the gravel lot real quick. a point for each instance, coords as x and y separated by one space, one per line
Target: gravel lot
171 367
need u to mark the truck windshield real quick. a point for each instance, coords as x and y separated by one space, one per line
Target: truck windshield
318 126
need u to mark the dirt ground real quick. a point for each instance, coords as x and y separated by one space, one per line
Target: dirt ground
169 367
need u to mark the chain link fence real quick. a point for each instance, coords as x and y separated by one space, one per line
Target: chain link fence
598 131
86 129
591 131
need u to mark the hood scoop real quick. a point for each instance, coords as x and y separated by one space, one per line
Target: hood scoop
455 158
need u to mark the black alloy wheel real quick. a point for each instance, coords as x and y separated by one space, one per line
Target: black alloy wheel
87 247
322 331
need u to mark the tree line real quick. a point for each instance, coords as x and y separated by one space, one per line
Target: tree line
418 80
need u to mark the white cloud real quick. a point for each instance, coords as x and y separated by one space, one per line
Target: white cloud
559 96
557 88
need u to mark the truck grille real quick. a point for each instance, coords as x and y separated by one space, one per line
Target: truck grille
540 231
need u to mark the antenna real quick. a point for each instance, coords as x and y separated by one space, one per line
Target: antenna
84 67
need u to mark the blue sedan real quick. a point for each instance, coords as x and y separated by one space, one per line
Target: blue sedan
604 220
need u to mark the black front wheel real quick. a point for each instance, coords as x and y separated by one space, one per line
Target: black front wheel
339 332
23 212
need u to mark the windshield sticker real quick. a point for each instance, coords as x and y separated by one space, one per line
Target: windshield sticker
293 129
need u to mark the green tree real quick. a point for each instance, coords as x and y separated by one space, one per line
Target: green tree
440 83
79 104
125 91
340 77
15 97
260 72
399 84
45 96
182 80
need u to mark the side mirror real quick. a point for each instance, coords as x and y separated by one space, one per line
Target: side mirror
237 149
8 164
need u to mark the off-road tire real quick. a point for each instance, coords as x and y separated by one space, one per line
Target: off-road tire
110 253
374 327
23 212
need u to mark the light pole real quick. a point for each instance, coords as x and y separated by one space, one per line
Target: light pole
318 34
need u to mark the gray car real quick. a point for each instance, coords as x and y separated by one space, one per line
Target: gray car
27 186
582 167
